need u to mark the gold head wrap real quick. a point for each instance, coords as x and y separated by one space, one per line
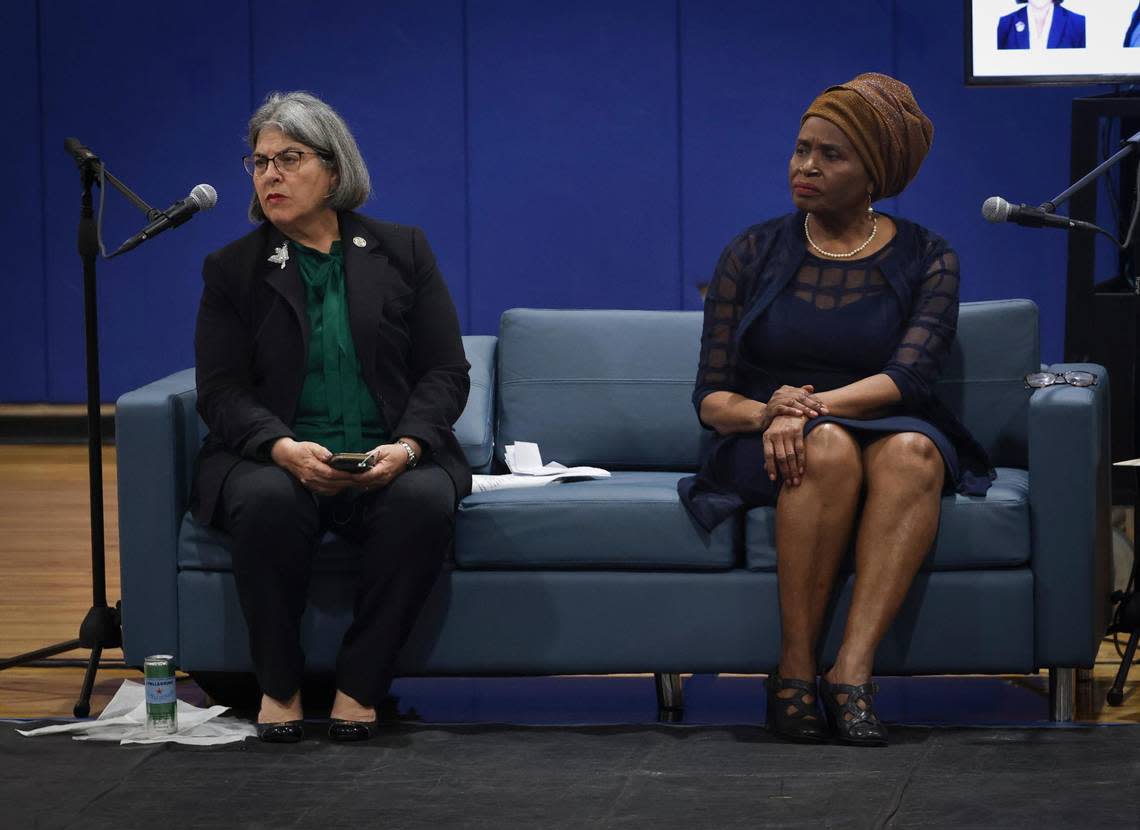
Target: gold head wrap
889 131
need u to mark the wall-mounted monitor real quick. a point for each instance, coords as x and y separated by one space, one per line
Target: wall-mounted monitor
1052 42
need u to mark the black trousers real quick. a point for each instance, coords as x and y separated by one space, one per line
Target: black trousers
404 531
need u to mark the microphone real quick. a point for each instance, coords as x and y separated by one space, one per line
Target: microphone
81 154
997 209
202 197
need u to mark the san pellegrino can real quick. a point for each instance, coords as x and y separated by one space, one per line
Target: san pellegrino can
161 702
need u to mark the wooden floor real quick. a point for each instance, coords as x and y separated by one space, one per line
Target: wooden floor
45 572
45 587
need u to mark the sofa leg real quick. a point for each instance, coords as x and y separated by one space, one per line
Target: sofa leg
670 697
1062 694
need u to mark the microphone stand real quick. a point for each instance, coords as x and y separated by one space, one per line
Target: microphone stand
1126 618
102 627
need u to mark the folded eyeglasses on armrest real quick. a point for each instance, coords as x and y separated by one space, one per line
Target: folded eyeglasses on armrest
1039 380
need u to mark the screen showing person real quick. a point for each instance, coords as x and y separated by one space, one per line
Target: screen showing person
1052 41
1132 35
1041 24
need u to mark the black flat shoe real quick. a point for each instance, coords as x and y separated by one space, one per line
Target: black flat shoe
793 717
854 720
282 732
352 730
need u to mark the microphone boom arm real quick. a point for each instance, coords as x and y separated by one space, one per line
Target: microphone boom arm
1130 146
91 165
132 197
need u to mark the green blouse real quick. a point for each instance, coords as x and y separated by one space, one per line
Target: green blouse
336 409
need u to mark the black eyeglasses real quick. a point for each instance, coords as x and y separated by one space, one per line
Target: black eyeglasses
1039 380
286 162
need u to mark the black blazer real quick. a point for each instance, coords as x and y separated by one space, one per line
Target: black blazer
252 339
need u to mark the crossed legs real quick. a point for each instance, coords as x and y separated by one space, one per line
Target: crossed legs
901 476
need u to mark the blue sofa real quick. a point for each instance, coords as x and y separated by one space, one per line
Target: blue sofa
612 576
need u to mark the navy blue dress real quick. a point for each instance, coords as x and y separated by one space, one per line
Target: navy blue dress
777 315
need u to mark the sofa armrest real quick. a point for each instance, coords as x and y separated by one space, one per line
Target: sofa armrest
157 438
475 427
1070 498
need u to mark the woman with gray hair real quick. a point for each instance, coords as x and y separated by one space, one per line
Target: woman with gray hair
324 333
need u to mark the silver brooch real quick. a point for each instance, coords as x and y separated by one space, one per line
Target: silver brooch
1019 26
280 255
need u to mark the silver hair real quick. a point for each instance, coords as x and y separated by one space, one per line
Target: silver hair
309 120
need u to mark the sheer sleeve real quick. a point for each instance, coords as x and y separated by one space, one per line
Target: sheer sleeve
724 306
917 360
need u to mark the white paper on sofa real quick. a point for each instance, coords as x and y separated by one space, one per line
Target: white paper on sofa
524 460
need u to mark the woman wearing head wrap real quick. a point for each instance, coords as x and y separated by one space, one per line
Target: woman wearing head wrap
824 333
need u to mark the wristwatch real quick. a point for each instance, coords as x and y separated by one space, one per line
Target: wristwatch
413 459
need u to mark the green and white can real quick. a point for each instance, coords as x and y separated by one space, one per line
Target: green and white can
161 702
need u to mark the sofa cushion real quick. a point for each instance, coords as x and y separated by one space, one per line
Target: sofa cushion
610 389
973 532
204 548
630 521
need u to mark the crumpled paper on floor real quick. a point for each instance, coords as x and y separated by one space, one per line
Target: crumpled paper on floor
124 720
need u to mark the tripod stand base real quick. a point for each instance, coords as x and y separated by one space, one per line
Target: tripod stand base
39 654
82 706
101 629
1116 693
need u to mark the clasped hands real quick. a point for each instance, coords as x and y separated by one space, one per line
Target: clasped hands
785 414
307 461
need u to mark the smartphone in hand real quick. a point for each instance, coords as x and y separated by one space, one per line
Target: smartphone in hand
351 462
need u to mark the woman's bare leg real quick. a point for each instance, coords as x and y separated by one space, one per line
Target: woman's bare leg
813 527
903 474
277 711
348 708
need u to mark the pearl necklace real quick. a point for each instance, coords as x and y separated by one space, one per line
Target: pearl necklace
874 229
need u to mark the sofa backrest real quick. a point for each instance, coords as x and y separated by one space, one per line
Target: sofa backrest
613 388
608 388
475 427
983 379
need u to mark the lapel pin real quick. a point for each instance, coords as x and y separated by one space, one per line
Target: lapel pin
1020 26
358 241
280 255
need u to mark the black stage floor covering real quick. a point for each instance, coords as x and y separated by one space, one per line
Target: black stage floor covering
497 776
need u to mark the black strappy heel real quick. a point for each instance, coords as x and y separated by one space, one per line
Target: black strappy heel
854 720
793 717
